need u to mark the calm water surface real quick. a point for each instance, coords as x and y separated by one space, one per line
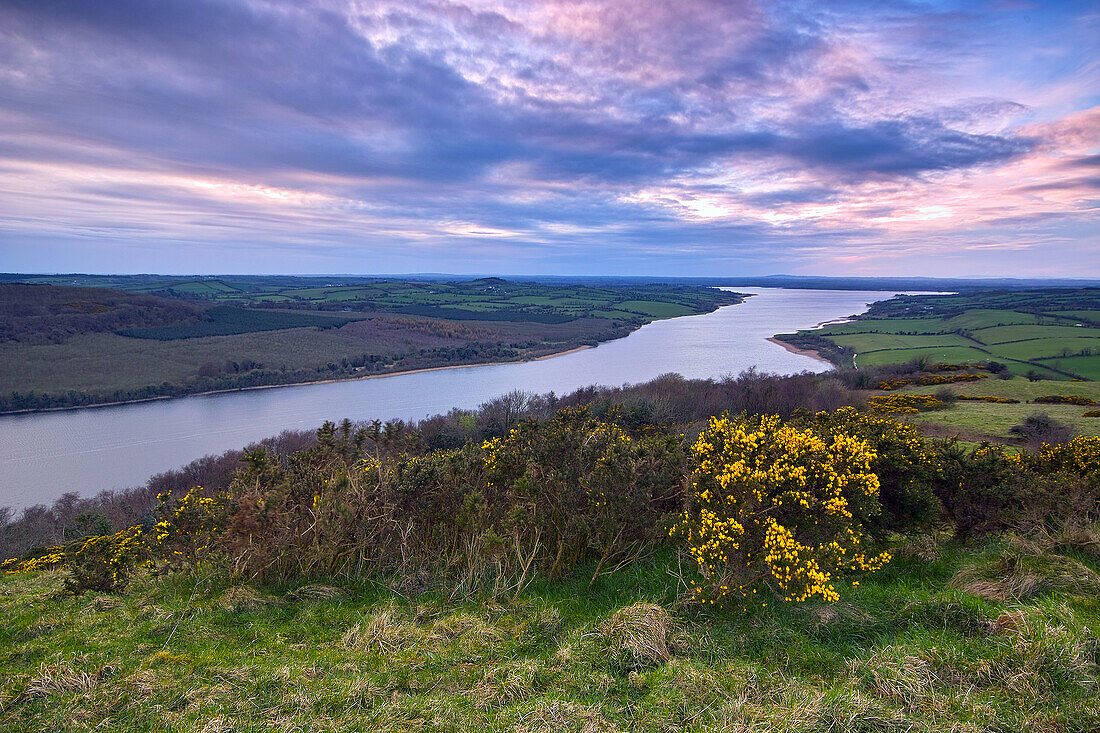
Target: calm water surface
43 455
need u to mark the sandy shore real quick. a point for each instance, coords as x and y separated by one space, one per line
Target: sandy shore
302 384
813 354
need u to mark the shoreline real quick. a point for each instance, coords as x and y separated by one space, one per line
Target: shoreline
553 355
812 353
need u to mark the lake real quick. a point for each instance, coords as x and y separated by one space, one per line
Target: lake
45 454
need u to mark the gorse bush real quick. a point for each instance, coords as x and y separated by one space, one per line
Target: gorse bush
542 498
906 466
766 508
585 487
908 404
779 508
184 537
1062 399
930 380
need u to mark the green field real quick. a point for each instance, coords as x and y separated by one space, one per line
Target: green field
952 354
69 346
1008 334
1045 348
1087 366
521 301
984 318
1039 334
864 343
982 420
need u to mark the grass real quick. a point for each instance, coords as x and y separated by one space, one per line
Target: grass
1027 330
986 317
921 646
992 420
1045 348
868 343
1008 334
98 363
954 354
1087 366
369 328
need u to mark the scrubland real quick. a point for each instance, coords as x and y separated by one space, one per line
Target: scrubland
742 555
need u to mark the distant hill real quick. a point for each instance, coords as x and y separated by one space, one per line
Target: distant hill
50 314
213 286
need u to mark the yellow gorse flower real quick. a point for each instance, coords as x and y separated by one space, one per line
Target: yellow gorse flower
776 506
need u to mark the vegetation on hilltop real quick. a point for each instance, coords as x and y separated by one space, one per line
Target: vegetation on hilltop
1046 333
622 559
45 314
70 346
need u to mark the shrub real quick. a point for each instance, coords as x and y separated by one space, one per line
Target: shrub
585 487
904 463
779 508
929 380
105 562
543 497
188 527
1040 428
987 398
1080 456
907 404
1062 399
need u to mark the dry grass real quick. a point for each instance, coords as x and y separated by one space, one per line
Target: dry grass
926 548
505 685
316 593
560 716
1015 577
103 604
1047 653
899 673
63 677
637 636
244 599
902 653
384 632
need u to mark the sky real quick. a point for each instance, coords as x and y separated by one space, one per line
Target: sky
622 137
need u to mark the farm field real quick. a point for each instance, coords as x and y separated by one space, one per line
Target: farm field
480 299
1041 333
65 345
979 420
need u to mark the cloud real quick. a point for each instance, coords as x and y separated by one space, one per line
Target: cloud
693 131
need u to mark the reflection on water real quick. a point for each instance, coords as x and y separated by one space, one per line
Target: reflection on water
43 455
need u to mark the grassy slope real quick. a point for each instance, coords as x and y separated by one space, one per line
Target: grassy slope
985 419
903 651
1040 336
101 362
107 361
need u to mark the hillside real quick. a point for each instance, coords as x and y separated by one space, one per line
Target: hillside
582 568
1052 333
66 346
46 314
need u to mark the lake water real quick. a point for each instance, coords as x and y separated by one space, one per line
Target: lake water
43 455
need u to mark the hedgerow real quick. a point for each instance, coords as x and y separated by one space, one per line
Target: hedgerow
903 404
1062 399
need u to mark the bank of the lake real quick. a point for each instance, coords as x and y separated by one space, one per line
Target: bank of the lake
43 455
